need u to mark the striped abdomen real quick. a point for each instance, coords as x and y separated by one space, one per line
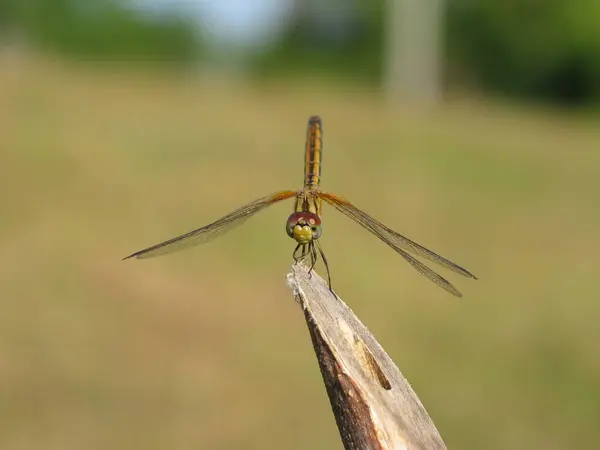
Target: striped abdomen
313 153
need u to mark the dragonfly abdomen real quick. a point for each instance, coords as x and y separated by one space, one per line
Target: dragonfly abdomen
313 153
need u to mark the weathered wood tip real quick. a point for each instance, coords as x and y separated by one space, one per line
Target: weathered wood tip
373 404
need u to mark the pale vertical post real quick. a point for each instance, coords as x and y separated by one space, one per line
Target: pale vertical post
414 40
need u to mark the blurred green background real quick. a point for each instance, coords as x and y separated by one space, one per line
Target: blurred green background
123 124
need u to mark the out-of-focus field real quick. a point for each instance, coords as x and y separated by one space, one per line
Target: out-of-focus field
206 348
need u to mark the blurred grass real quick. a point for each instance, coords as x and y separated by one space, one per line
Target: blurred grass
206 348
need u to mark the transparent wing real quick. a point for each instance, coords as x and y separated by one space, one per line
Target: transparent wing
211 231
399 243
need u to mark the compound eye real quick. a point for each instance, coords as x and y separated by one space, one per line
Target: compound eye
316 231
289 228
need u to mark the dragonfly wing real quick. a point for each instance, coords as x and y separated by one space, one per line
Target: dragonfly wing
211 231
426 271
395 240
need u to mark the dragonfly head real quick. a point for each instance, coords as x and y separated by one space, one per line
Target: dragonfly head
303 227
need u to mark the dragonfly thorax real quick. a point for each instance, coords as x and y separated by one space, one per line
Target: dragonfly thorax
303 227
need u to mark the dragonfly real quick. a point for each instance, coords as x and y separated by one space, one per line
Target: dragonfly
304 224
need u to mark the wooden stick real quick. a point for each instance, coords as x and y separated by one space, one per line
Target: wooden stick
373 404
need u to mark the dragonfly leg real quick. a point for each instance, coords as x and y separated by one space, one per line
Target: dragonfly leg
326 266
294 255
301 252
313 257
